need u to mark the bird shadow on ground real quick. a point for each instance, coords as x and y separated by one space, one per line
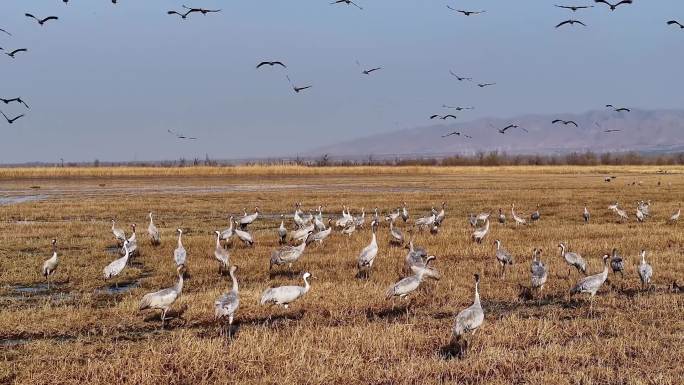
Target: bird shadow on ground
291 274
454 349
273 321
171 316
392 313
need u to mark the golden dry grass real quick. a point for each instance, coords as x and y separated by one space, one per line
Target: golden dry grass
343 331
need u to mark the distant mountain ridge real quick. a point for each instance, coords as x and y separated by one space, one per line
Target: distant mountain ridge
641 130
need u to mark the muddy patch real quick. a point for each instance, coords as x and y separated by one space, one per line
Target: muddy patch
119 287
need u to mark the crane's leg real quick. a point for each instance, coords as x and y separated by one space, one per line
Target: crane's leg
163 317
48 281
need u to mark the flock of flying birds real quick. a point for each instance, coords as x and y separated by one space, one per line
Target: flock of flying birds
297 88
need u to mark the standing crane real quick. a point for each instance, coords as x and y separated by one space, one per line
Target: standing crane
118 233
50 265
539 271
367 256
179 254
163 299
285 295
645 270
592 283
227 304
152 230
518 220
503 257
468 320
117 266
479 234
573 259
221 254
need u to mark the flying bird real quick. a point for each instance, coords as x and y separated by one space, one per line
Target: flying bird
467 13
182 15
503 130
483 85
348 2
180 136
10 121
18 100
613 6
621 109
671 22
2 30
609 131
457 108
565 122
460 79
575 8
457 134
445 117
368 71
270 63
571 22
191 10
16 51
295 88
41 21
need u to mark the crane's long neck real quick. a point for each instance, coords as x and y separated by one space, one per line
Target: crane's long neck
235 282
179 285
218 240
180 243
374 240
562 247
306 284
477 293
127 253
151 221
643 257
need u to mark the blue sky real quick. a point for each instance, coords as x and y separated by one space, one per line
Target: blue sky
106 81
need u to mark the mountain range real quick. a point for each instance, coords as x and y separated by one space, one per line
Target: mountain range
640 130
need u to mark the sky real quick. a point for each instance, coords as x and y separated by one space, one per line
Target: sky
107 81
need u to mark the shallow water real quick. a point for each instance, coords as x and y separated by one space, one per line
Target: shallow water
13 200
121 288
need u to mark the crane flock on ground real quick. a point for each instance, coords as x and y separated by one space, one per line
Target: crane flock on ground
418 263
186 12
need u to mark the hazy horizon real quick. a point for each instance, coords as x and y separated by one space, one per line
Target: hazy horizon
106 81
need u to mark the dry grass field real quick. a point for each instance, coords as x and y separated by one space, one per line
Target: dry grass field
343 331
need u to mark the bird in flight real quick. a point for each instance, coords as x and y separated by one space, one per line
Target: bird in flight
180 136
613 6
608 131
621 109
571 22
445 117
10 121
574 8
460 78
348 2
457 108
671 22
503 130
367 71
18 100
294 87
201 10
483 85
271 63
182 15
41 21
16 51
565 122
2 30
457 134
467 13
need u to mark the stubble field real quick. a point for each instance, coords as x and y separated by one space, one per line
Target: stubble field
343 331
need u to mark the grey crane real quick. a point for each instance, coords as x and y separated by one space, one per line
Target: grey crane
227 304
365 260
674 218
480 233
287 255
221 254
586 215
538 270
163 299
153 232
247 220
396 236
118 233
301 234
179 254
245 237
360 220
404 213
536 215
573 259
409 284
349 229
285 295
502 217
50 265
472 220
645 270
392 216
592 283
376 215
321 235
503 257
117 266
418 260
427 221
640 215
282 231
469 319
229 232
622 214
613 206
132 243
441 215
617 264
518 220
